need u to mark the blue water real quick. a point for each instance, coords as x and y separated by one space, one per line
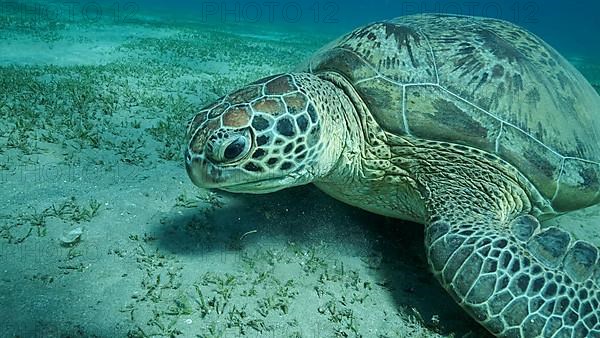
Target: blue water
569 26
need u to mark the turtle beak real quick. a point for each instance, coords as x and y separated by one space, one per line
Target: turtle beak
202 173
196 168
205 174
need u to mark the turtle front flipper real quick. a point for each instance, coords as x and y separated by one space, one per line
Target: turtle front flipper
517 279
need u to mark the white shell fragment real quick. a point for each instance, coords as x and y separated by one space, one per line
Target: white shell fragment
72 237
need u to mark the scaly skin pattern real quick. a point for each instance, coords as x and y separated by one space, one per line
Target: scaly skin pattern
486 249
268 135
378 128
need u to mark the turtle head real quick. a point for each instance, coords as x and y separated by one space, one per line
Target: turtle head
269 135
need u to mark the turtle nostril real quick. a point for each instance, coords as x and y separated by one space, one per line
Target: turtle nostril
188 156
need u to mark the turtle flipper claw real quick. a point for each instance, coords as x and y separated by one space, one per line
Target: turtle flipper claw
581 262
550 246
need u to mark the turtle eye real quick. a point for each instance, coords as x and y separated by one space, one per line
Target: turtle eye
228 147
235 148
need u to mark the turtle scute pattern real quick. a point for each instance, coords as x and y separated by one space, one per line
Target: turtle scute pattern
515 278
281 110
537 283
483 83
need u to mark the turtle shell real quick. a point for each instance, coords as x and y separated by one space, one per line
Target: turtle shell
483 83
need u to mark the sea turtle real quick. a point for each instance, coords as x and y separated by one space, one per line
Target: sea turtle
472 126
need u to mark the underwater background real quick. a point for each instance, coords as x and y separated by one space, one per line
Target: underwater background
103 235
